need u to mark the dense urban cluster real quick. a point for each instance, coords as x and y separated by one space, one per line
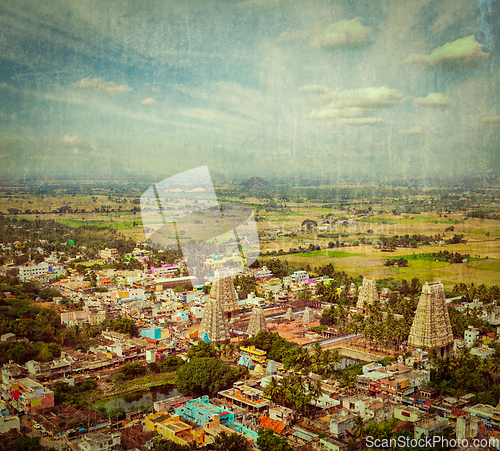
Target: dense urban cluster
274 357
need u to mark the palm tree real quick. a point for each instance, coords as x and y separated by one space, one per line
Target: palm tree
359 426
274 390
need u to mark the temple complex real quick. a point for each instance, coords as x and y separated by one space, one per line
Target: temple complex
214 323
431 328
223 292
308 316
257 321
368 294
289 315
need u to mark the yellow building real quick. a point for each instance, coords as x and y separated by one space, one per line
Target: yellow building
172 428
257 355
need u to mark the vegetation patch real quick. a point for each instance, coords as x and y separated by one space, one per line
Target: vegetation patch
326 253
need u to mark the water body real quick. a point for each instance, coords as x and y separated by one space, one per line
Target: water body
139 398
345 363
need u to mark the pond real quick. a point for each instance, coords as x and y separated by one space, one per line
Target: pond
139 398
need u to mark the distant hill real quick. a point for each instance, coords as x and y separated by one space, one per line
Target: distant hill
257 183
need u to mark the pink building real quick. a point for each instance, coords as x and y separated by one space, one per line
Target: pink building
30 395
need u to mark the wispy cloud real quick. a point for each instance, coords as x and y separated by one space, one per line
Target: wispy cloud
106 87
490 119
149 101
366 97
70 140
346 34
330 113
434 99
412 131
462 54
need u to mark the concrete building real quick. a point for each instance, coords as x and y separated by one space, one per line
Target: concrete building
467 427
430 427
407 413
254 300
431 326
299 276
172 428
483 351
101 441
109 254
74 318
154 333
249 398
201 412
330 444
164 271
8 337
30 396
30 272
470 336
283 414
341 421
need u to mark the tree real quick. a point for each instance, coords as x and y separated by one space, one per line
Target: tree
201 349
269 441
27 444
207 375
231 442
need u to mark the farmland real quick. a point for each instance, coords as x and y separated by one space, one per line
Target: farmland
349 228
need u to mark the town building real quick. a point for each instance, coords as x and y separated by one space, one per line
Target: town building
172 428
29 395
430 427
30 272
471 334
101 441
249 398
203 413
299 276
341 422
109 254
431 326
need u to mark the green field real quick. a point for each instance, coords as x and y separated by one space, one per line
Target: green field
491 266
415 257
412 220
326 253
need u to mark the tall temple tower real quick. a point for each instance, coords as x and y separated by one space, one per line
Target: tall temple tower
289 314
431 328
223 292
214 323
367 293
257 321
308 316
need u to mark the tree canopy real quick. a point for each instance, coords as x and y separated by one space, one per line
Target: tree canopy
207 375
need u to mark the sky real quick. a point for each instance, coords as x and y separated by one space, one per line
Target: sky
285 90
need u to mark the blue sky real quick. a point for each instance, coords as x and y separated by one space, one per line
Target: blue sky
326 90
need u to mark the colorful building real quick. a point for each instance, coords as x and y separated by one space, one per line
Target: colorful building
172 428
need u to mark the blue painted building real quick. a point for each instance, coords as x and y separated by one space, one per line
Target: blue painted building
200 410
154 333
